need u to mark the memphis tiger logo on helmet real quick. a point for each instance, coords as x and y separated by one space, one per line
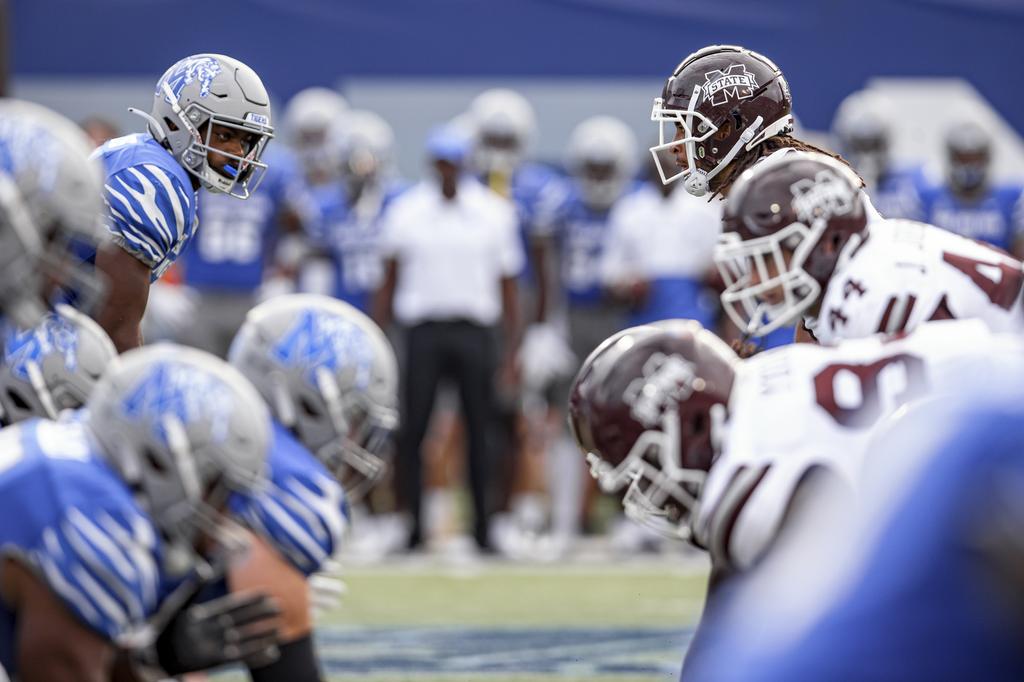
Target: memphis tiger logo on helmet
201 68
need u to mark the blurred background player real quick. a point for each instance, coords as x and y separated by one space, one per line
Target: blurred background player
570 232
658 255
361 147
863 138
969 203
208 127
451 258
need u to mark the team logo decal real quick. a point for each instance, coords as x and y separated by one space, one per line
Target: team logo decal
323 340
187 71
733 83
184 393
666 379
824 196
54 336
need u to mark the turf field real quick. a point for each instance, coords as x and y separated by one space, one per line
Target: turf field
424 621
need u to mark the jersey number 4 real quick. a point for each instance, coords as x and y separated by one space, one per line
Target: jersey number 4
1001 281
857 395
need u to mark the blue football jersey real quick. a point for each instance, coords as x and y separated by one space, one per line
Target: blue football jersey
897 194
236 238
152 206
580 234
351 235
66 513
995 218
303 514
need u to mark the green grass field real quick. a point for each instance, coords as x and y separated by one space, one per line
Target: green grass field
419 621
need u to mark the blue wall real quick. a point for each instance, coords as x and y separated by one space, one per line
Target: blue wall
827 49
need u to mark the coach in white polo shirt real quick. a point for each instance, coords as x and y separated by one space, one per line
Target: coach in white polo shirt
451 253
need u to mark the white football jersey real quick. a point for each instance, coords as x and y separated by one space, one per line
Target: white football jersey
802 406
906 273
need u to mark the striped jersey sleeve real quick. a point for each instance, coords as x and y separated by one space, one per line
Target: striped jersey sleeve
103 566
150 212
304 517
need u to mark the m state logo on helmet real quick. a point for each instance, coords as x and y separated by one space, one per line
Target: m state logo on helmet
643 410
804 204
725 100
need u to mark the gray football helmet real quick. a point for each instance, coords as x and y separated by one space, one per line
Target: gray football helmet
53 366
330 375
196 94
184 430
503 125
56 200
308 119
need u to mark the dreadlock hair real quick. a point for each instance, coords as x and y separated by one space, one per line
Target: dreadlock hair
761 151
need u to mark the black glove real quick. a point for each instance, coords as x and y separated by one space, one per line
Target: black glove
237 627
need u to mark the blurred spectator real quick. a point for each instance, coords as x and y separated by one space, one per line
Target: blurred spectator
451 257
99 130
571 230
659 254
968 203
229 261
347 235
863 138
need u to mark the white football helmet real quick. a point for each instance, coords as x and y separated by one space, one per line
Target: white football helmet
362 145
503 127
53 366
602 158
330 375
184 430
207 90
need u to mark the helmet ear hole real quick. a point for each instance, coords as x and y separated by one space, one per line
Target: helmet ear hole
170 124
308 408
153 461
17 400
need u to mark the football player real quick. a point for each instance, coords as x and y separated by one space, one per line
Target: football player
968 203
799 241
308 118
52 367
862 137
50 199
361 147
571 229
670 417
330 379
208 127
126 504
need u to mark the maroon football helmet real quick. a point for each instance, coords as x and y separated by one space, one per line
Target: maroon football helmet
720 102
787 222
643 410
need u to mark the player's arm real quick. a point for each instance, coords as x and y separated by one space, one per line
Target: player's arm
52 645
265 570
128 292
384 298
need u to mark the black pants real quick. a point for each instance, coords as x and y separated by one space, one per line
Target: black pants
464 352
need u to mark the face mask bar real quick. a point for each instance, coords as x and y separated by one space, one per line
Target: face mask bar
355 458
744 301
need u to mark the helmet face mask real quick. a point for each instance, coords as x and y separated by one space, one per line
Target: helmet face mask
184 118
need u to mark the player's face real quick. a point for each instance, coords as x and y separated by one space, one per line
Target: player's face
231 141
775 295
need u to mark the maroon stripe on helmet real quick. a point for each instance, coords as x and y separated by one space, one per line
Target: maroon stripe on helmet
911 300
